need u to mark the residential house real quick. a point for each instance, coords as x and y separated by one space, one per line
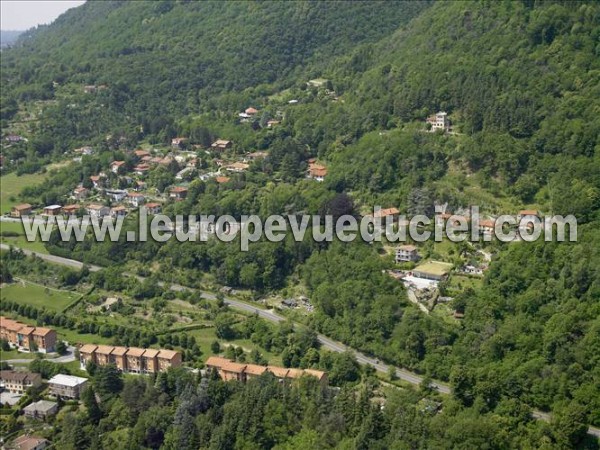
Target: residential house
25 338
254 371
221 144
119 358
97 210
231 370
135 199
439 121
18 382
251 111
432 270
118 211
103 355
178 142
87 354
22 210
256 155
9 329
487 226
184 173
53 210
141 153
222 180
141 169
44 339
41 409
67 386
168 358
153 208
71 210
116 195
28 442
130 360
237 167
178 192
316 171
81 193
407 253
272 123
97 181
149 361
134 359
117 166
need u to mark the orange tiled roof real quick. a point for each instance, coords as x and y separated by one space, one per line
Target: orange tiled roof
104 349
167 354
151 353
87 348
216 361
26 330
119 351
279 372
254 369
42 331
134 351
315 373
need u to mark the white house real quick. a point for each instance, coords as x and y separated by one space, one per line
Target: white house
439 121
116 195
96 210
135 199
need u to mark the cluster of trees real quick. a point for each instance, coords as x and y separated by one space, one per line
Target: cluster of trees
179 410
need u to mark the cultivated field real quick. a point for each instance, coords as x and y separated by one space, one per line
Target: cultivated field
29 293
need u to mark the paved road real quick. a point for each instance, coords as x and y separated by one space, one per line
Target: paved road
326 342
66 358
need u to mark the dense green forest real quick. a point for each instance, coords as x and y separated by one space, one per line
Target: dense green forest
521 84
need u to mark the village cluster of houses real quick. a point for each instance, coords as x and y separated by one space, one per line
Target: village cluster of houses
26 337
251 115
130 359
231 370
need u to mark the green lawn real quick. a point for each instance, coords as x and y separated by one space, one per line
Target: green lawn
13 354
12 185
206 336
460 283
37 295
20 241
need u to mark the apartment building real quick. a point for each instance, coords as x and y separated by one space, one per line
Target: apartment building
18 382
27 338
230 370
130 360
67 386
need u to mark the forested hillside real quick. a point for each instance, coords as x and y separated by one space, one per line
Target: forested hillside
175 57
520 82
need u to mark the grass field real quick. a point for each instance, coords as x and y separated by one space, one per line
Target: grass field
460 282
206 336
12 185
20 241
14 354
37 295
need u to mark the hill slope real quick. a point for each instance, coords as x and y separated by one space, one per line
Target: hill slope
174 55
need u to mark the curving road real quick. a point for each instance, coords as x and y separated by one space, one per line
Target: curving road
326 342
